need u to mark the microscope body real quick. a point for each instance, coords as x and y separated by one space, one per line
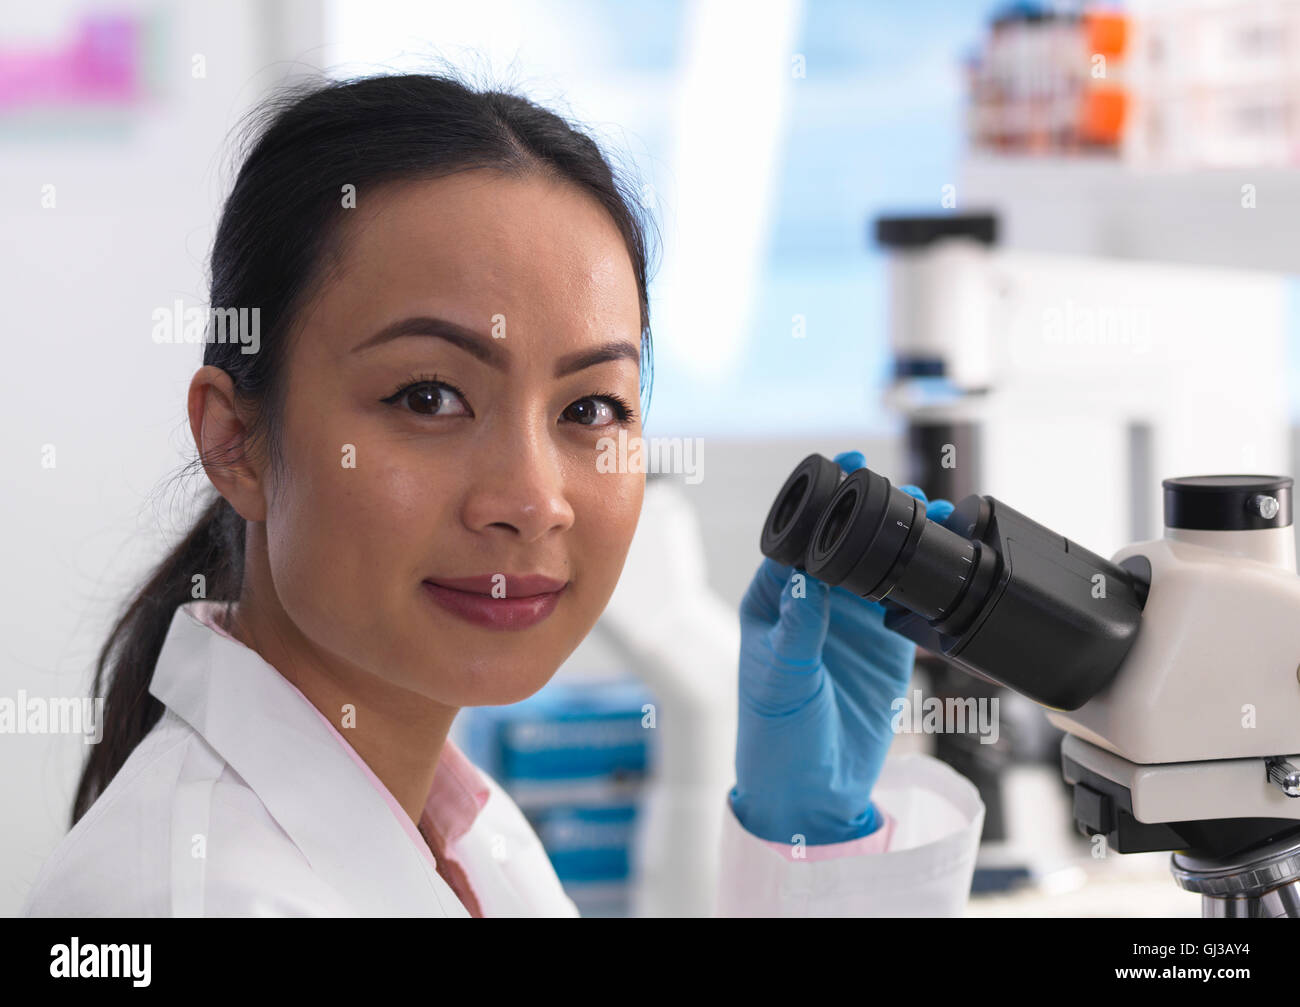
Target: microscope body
1213 672
1191 747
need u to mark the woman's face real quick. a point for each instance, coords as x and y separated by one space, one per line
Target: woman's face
412 457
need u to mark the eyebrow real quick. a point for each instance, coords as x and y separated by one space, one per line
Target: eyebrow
487 350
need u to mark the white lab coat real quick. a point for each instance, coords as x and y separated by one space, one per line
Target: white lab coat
243 770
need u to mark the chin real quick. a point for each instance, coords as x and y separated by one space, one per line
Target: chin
487 682
501 690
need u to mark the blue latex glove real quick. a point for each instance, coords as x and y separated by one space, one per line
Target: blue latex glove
818 675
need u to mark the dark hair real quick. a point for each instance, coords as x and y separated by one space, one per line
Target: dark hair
278 229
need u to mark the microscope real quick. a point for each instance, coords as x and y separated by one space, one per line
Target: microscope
1172 667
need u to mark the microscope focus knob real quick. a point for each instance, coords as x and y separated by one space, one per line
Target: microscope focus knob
1265 506
1285 775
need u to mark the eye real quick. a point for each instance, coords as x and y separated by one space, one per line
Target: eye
598 410
430 397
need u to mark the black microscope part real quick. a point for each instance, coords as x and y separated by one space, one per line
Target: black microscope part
988 589
1228 502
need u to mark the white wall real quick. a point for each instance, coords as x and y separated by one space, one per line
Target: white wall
130 231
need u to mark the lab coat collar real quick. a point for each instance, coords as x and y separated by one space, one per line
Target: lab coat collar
277 742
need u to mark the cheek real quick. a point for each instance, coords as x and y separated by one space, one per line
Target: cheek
608 509
352 526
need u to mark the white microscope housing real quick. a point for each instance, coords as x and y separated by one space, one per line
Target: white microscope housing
1203 718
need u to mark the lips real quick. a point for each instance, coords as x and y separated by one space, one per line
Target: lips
524 585
529 598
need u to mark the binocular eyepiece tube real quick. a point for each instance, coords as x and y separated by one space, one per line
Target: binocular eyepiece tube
988 589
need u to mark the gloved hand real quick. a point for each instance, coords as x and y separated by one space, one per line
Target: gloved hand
818 675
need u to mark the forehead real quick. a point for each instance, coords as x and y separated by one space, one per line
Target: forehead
471 246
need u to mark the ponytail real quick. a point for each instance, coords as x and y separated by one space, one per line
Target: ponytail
214 548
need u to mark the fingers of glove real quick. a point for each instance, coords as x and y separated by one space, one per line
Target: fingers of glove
852 613
869 664
857 636
938 510
851 461
935 510
781 666
915 491
800 630
761 603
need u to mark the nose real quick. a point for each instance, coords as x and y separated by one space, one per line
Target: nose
519 492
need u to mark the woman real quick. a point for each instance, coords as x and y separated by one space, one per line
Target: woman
451 310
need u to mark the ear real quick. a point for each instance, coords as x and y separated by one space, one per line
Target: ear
221 438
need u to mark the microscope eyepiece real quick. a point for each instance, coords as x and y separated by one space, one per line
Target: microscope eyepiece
874 540
988 589
797 509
